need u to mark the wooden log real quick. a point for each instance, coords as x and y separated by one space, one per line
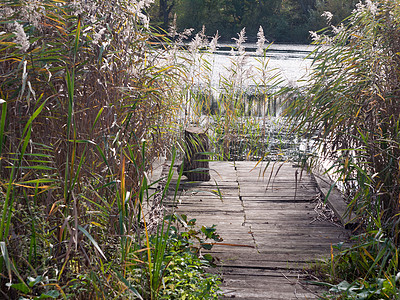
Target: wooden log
195 163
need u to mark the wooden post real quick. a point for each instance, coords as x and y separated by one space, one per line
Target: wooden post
196 144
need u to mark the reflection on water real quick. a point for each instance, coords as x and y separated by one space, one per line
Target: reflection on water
269 140
249 83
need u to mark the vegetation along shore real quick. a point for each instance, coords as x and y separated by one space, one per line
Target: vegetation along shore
93 93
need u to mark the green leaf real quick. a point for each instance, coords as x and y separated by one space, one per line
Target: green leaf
207 246
52 294
92 240
181 220
208 231
129 286
20 287
208 257
10 266
77 35
2 126
97 117
34 115
6 258
33 281
341 287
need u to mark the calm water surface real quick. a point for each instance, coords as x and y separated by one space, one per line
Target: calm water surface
293 62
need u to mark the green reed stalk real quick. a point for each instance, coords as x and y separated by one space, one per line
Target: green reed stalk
157 268
70 80
2 127
10 196
9 200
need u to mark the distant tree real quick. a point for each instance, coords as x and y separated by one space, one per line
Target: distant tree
165 9
214 14
190 14
266 13
340 10
238 8
306 6
282 20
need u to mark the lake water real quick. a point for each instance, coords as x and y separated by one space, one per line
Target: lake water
292 61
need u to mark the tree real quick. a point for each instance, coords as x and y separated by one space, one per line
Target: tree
283 20
306 6
165 9
340 10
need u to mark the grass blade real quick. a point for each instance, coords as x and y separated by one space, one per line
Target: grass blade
84 231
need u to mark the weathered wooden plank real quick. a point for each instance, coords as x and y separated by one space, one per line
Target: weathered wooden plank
334 197
248 287
248 178
284 193
310 233
267 231
227 256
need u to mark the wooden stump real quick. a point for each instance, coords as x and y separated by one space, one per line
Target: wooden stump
195 163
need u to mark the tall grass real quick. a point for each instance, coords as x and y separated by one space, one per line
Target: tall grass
89 98
351 104
233 104
86 105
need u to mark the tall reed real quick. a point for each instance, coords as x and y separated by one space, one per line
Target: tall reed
351 106
87 104
233 104
81 90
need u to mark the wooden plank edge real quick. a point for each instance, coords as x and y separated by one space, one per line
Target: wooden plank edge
334 197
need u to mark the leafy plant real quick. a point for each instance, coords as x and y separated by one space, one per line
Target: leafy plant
368 270
173 264
184 276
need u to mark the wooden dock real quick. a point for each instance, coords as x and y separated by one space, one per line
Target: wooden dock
269 224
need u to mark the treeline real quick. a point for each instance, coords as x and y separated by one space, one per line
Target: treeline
283 20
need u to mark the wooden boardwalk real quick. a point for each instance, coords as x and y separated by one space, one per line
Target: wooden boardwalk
269 226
